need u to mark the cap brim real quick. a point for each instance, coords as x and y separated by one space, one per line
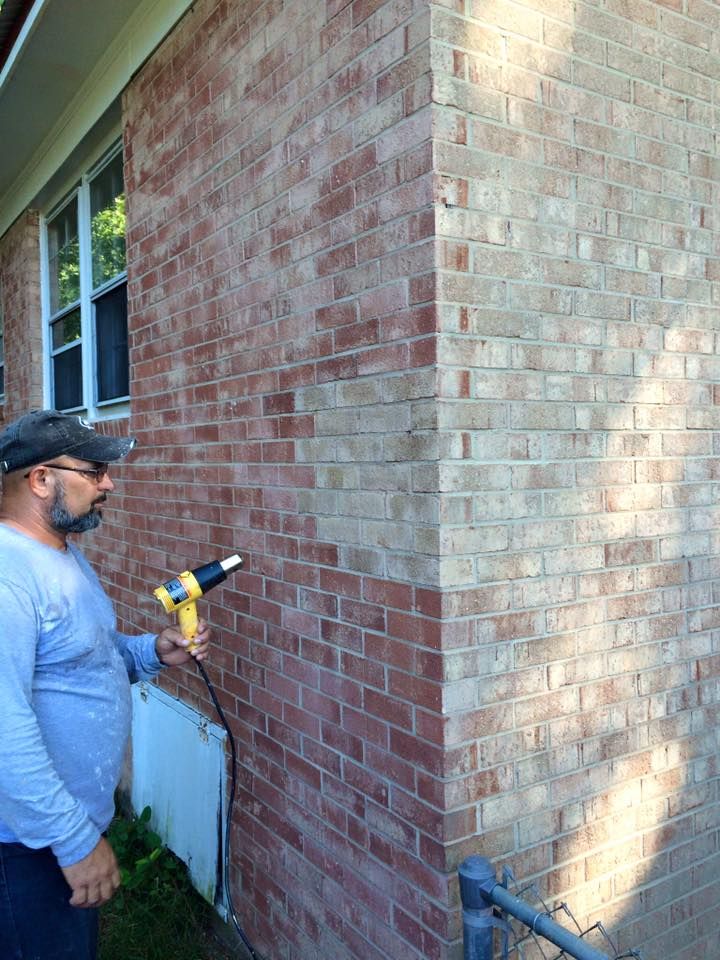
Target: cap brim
103 449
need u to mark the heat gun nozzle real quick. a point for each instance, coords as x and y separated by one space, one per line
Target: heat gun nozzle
231 563
192 584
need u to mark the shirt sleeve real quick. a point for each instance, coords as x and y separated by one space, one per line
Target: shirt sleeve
139 655
34 801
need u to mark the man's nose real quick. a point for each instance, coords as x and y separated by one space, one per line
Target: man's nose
106 484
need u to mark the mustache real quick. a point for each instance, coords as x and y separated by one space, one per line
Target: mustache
101 499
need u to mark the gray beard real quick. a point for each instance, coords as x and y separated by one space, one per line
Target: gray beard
62 520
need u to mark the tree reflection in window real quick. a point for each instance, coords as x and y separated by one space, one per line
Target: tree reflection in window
66 329
64 257
107 223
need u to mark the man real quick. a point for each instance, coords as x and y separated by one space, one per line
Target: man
65 674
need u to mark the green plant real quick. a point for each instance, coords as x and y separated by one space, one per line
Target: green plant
145 864
156 913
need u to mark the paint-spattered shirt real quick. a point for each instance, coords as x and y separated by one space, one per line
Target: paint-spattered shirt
65 675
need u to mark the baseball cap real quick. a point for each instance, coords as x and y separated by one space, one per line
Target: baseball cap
44 434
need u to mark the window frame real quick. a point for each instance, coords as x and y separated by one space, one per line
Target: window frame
80 187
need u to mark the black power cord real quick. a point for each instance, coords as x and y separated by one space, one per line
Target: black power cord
228 818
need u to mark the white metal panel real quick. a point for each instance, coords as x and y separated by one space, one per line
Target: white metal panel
178 770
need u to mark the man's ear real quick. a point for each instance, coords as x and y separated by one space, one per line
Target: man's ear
37 480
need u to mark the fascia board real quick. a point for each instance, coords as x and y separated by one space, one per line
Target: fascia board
20 41
143 32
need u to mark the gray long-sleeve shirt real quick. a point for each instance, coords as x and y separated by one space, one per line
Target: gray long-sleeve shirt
65 704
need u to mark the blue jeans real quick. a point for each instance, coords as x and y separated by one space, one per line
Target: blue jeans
36 919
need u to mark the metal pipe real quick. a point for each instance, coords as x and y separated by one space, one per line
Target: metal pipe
478 920
478 883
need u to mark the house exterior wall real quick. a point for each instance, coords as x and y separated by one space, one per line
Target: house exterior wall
578 319
20 310
423 323
280 280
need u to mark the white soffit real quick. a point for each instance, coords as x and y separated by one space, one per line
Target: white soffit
69 64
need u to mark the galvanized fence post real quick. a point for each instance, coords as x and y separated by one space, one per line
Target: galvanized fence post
480 892
478 921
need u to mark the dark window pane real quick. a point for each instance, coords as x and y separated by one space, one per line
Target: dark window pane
2 380
112 344
66 329
67 378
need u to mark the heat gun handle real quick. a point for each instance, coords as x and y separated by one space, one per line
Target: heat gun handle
188 621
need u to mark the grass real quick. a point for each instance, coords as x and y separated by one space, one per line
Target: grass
156 914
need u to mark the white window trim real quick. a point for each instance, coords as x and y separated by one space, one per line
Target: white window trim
91 407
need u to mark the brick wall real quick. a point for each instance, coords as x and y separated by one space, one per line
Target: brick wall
20 309
423 312
281 291
576 156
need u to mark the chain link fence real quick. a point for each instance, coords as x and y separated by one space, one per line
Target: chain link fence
522 923
524 944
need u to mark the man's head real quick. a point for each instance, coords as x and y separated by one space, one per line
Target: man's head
60 463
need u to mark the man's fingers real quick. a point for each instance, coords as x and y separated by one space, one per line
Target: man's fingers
94 896
108 889
80 897
95 878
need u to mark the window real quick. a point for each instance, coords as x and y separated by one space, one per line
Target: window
86 292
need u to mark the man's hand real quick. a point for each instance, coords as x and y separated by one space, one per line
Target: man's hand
95 878
172 648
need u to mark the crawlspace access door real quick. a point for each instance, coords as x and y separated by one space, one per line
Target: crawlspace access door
178 770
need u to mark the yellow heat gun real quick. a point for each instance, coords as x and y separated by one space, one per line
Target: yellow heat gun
181 592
